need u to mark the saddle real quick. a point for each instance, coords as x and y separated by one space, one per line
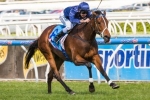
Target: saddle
60 44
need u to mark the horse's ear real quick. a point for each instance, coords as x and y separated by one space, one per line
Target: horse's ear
94 14
104 12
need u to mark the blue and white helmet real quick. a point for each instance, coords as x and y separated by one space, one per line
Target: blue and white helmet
83 6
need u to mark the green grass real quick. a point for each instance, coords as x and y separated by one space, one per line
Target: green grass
12 90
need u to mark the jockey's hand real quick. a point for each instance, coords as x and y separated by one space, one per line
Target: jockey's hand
84 21
87 20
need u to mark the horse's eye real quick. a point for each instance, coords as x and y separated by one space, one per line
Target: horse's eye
98 23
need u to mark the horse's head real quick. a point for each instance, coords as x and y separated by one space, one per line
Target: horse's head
101 25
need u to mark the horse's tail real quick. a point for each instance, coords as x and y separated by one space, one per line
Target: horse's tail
32 48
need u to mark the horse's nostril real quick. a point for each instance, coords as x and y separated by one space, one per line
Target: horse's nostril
106 39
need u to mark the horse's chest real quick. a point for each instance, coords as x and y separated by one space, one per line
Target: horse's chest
90 53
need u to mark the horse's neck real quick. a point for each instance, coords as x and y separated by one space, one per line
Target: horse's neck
88 33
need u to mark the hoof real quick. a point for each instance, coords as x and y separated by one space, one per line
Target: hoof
49 92
114 86
91 88
72 93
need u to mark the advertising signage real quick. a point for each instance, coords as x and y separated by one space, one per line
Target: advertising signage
121 61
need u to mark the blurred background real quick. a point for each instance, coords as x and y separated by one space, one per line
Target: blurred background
24 20
47 11
53 7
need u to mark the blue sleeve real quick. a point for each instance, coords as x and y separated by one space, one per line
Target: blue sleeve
72 13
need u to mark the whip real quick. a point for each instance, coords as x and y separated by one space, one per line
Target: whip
99 4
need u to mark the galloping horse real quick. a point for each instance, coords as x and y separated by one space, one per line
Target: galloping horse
80 46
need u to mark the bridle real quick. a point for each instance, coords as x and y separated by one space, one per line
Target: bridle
96 29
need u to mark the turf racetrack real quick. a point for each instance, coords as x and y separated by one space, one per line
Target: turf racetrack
25 90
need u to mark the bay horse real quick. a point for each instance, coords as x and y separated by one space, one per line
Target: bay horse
80 46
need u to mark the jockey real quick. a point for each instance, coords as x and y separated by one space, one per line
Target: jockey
73 15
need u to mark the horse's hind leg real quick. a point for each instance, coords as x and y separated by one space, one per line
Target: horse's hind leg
64 85
91 86
56 74
59 62
49 81
46 51
51 73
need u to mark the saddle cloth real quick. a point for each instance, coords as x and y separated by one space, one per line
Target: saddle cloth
60 44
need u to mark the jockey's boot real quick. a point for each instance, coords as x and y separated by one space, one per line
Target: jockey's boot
58 36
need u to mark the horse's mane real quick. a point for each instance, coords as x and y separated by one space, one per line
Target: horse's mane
78 28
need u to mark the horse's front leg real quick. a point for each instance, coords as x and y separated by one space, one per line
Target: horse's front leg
78 60
98 64
91 86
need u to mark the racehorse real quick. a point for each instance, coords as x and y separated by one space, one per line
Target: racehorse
80 46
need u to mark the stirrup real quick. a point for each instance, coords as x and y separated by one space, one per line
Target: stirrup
58 37
57 40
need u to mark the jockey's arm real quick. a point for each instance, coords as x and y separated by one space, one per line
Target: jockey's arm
72 16
75 20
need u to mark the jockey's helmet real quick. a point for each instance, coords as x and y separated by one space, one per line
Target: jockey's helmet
83 6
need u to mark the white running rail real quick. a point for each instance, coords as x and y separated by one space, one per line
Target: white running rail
21 25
